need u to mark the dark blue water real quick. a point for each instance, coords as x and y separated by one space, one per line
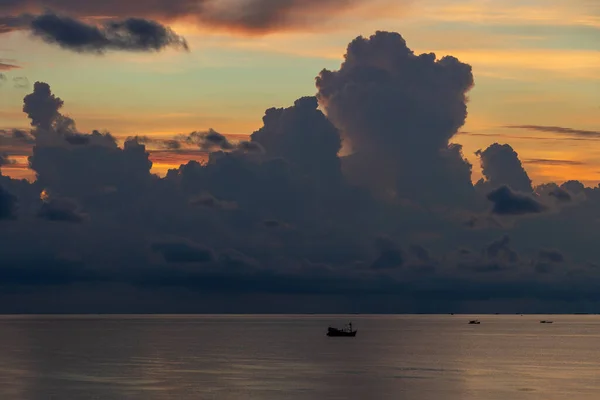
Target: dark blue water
289 357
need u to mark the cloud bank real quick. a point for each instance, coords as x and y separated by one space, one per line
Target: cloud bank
280 222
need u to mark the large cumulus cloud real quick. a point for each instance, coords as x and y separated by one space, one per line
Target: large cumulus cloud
398 111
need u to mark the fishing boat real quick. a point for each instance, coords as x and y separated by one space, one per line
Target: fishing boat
474 322
344 332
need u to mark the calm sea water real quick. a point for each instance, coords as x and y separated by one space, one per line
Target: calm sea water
289 357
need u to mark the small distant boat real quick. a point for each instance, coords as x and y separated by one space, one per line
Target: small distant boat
474 322
344 332
546 322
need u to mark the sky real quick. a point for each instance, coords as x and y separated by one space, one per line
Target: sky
178 152
535 62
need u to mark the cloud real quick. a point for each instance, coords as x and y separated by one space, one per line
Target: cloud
545 161
183 252
132 34
20 82
7 67
282 217
558 130
8 204
398 112
248 16
561 195
507 202
500 165
61 210
209 201
302 129
41 106
501 249
4 160
551 256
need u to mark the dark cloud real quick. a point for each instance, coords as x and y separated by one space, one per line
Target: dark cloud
183 252
251 16
8 204
507 202
5 160
501 249
209 140
551 256
209 201
41 106
61 210
399 111
166 144
302 129
132 34
561 195
557 129
500 165
280 216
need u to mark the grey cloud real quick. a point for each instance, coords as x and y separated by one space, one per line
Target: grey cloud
209 201
557 129
160 236
20 82
554 256
5 160
132 34
544 161
507 202
254 16
500 165
8 204
399 111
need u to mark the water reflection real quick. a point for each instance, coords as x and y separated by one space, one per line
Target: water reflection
274 357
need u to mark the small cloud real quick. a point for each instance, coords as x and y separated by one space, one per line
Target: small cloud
132 34
507 202
8 67
561 195
545 161
556 129
21 82
4 160
209 201
553 256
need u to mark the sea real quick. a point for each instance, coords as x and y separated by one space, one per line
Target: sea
413 357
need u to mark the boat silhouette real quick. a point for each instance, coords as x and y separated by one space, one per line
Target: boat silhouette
344 332
474 322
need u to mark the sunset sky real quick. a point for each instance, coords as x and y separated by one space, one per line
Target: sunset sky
536 65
